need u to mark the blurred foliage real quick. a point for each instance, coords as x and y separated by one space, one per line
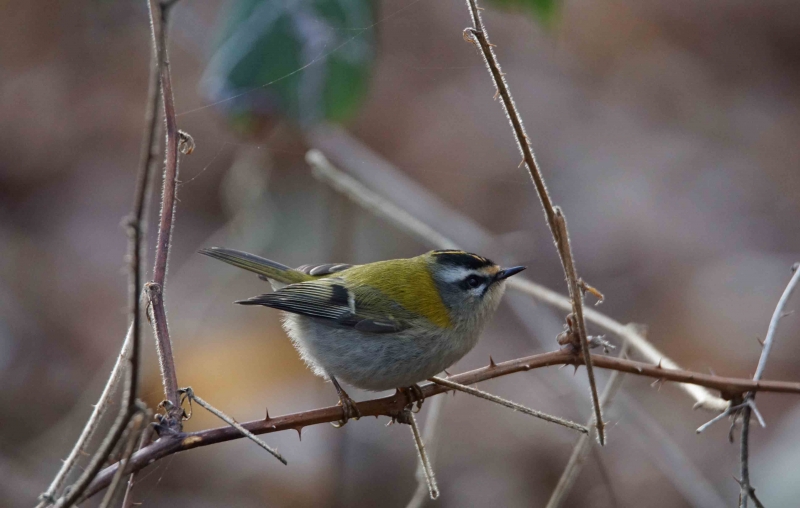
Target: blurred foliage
309 60
543 10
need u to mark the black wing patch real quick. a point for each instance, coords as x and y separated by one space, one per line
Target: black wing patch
330 301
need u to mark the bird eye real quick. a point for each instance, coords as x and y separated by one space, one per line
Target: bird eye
473 281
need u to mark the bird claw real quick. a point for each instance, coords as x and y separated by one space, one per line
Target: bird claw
349 410
416 395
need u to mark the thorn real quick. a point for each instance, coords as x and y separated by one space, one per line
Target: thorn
738 481
492 45
447 373
576 369
657 383
299 433
758 339
266 417
491 362
496 95
521 163
711 371
787 313
659 364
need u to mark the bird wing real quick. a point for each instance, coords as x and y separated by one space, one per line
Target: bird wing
326 269
332 302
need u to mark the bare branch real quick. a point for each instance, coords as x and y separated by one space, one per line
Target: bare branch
509 404
746 489
233 423
394 405
555 218
133 436
584 444
159 16
430 478
576 295
361 195
433 411
49 496
776 317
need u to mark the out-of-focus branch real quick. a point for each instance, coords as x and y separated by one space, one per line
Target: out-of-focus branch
581 449
133 436
555 217
159 17
394 405
89 429
746 489
371 201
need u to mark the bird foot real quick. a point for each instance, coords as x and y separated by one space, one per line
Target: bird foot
349 410
415 394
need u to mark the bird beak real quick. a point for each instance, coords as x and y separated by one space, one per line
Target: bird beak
508 272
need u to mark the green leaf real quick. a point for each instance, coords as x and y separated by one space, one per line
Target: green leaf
309 60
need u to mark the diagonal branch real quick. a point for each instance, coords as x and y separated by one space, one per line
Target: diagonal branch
394 405
584 445
576 295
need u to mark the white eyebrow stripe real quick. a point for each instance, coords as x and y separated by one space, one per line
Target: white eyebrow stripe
457 273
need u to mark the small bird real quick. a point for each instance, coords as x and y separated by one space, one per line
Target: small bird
383 325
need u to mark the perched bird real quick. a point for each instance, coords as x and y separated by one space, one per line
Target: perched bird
384 325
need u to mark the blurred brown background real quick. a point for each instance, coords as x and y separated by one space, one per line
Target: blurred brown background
668 131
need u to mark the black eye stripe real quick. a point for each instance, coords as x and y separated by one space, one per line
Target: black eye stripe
473 281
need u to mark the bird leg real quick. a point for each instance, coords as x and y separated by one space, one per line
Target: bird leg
349 408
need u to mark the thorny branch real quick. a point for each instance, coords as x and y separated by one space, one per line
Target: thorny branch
394 405
136 225
576 295
746 489
555 218
370 201
509 404
159 17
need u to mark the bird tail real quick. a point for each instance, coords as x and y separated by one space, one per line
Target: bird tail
266 269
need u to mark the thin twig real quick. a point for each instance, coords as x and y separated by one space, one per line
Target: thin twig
393 405
49 496
169 375
746 489
233 423
433 418
430 478
583 445
369 200
776 317
509 404
134 430
576 295
555 218
127 500
730 410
